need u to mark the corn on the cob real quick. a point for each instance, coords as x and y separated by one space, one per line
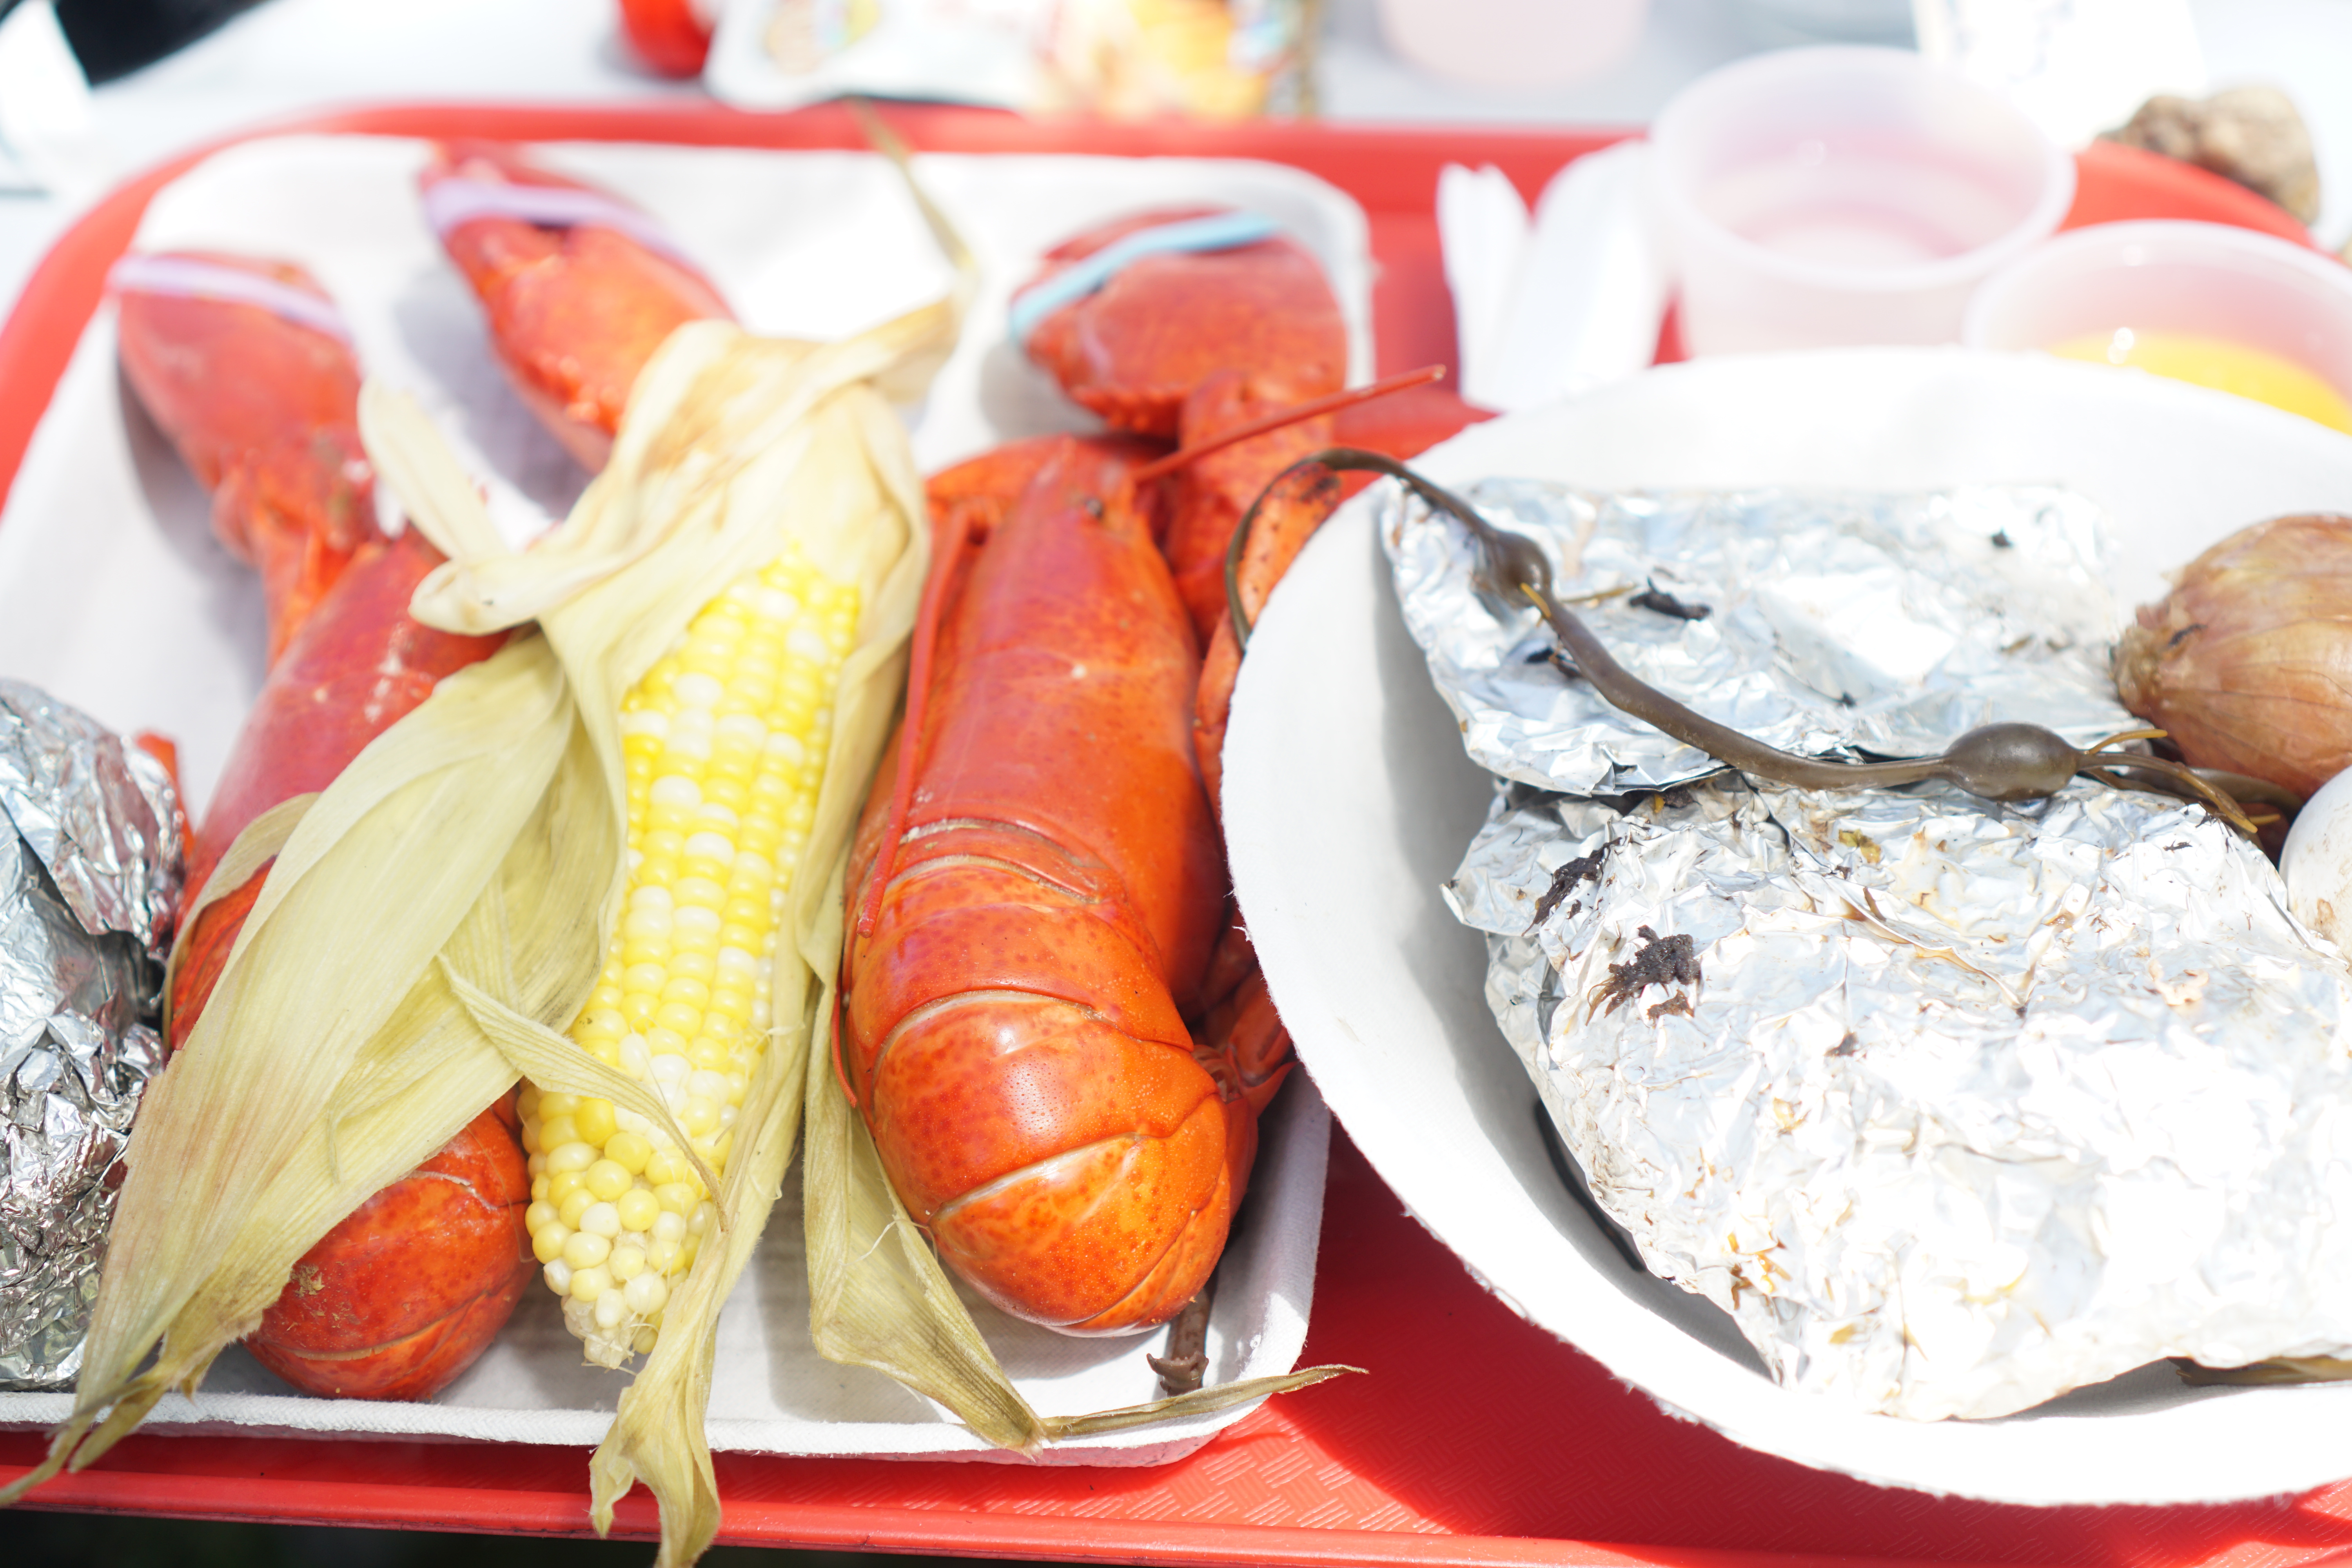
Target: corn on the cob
724 742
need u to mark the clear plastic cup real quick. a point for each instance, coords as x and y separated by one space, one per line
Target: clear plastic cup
1844 195
2204 302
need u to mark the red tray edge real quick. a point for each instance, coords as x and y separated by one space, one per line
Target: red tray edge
838 1527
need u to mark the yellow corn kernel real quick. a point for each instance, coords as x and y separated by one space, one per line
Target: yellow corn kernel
638 1208
608 1179
722 744
594 1123
630 1150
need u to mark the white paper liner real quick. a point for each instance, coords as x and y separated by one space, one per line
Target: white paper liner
115 597
774 1395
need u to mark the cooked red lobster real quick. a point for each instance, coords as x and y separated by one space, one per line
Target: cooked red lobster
404 1294
1193 344
1054 1031
257 385
1045 887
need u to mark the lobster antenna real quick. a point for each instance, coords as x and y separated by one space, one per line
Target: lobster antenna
1330 404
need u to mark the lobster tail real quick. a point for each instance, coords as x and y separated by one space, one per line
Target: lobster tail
1068 1170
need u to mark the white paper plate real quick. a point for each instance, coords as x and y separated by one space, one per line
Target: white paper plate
1348 801
115 597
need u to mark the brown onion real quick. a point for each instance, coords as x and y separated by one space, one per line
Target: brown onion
2247 663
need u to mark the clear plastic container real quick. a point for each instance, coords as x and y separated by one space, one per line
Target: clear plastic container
2202 303
1844 195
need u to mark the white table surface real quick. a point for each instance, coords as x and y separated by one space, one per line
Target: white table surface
287 57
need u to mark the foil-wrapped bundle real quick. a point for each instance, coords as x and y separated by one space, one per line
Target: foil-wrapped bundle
1952 1106
1828 625
90 837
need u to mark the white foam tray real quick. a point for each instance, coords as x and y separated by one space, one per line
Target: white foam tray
115 597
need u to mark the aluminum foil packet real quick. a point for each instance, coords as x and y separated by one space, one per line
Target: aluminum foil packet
1951 1106
90 837
1830 625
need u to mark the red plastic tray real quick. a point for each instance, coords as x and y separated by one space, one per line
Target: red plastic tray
1477 1438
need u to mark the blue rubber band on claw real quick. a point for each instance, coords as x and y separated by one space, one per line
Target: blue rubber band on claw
1218 231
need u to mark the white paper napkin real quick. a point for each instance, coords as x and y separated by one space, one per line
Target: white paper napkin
1550 305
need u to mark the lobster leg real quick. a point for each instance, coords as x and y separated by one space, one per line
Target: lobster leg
1213 491
1289 508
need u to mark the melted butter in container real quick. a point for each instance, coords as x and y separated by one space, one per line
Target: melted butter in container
90 836
1952 1106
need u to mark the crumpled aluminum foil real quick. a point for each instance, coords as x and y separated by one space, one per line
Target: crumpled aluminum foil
91 835
1848 624
1952 1106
